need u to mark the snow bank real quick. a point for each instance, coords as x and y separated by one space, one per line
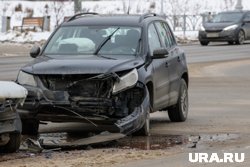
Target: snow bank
15 36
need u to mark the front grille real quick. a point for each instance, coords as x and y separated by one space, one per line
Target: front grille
79 85
213 31
91 88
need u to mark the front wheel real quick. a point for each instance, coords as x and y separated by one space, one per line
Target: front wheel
145 130
179 112
13 144
241 38
204 43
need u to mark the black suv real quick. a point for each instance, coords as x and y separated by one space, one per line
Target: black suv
106 70
231 26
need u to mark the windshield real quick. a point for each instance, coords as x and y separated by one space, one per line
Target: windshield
227 17
85 40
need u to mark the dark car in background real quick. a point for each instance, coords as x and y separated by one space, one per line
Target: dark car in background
106 70
231 26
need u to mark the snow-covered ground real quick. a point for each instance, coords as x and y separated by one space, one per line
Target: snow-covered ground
58 10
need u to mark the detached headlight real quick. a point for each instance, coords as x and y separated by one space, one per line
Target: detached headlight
26 79
126 81
202 28
232 27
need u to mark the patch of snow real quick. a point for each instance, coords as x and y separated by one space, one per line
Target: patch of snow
15 36
10 89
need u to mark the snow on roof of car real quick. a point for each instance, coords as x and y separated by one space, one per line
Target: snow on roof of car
9 89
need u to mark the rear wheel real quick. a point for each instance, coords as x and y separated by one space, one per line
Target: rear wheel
13 144
30 126
241 38
179 112
230 42
204 43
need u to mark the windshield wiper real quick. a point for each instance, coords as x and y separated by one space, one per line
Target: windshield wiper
106 57
105 41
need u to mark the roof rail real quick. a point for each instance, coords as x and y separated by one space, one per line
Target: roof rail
146 15
81 14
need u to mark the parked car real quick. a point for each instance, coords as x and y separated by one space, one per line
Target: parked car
11 95
232 27
106 69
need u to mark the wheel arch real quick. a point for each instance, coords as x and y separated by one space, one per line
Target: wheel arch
186 78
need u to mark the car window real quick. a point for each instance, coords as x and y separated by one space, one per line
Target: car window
164 35
170 34
82 40
227 17
153 39
247 17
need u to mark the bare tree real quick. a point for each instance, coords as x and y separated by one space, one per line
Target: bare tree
78 6
57 8
5 8
229 4
124 6
196 10
179 7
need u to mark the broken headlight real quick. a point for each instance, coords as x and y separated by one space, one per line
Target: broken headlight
126 81
26 79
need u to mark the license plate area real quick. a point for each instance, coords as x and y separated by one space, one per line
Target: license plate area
212 35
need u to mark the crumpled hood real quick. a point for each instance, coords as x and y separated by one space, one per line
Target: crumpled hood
217 26
76 65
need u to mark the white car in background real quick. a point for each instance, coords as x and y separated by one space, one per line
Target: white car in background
11 95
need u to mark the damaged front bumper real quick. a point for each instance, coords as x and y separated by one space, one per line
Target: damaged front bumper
126 111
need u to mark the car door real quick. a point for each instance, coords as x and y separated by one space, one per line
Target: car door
160 70
173 60
246 26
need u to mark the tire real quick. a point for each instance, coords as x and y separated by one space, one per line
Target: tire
30 127
230 42
179 112
13 144
204 43
241 38
145 130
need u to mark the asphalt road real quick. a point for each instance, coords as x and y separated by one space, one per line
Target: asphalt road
219 96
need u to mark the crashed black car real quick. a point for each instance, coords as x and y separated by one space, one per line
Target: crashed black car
106 70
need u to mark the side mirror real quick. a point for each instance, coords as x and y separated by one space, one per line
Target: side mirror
34 52
160 53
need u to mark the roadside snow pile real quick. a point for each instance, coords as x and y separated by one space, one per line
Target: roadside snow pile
30 37
188 37
25 37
